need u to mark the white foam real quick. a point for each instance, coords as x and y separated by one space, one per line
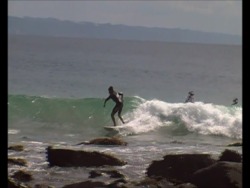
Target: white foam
197 117
13 131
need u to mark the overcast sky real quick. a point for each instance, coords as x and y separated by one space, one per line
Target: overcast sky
224 16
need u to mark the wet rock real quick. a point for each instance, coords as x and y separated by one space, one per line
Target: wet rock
106 141
115 174
219 175
119 183
186 185
236 144
154 183
87 184
17 161
16 148
179 168
13 184
73 158
230 155
22 176
43 186
95 173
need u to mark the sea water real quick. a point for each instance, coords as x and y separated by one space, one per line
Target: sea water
57 87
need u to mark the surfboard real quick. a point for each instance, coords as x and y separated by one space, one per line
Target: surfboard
110 128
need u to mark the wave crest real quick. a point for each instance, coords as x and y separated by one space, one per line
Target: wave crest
140 114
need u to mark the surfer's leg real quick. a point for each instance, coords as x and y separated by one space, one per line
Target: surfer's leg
113 119
115 109
119 113
121 118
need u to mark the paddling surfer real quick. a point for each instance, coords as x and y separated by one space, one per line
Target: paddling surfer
235 101
190 97
117 97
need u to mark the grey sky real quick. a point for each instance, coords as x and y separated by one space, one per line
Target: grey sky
224 16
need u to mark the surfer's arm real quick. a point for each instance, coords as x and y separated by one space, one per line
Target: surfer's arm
120 93
106 101
120 98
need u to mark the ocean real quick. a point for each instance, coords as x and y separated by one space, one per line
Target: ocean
57 87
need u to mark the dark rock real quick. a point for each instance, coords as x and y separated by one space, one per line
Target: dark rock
17 161
87 184
236 144
43 186
16 148
119 183
106 141
186 185
115 174
12 184
94 174
219 175
73 158
154 183
230 155
179 168
22 176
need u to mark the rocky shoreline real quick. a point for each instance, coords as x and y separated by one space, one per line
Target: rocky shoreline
173 171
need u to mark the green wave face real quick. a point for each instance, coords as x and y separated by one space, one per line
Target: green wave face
58 110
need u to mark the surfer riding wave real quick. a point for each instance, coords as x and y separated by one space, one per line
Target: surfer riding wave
117 97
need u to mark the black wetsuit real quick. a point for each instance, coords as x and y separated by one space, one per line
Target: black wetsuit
117 98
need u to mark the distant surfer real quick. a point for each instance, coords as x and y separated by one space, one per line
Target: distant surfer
235 101
190 97
117 97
